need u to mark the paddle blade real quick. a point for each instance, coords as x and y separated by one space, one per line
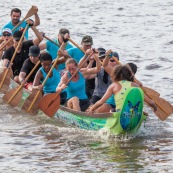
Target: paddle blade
161 114
150 92
33 10
5 84
34 110
16 99
164 105
49 104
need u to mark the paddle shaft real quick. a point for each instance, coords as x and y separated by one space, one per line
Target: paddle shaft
51 40
76 44
5 43
50 71
21 86
18 45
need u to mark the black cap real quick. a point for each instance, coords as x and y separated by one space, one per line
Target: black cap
87 40
63 31
115 54
17 35
102 52
34 51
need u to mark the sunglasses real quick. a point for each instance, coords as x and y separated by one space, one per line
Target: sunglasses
112 60
7 35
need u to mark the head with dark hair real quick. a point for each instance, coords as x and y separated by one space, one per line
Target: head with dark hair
133 67
16 10
45 57
15 16
46 61
122 72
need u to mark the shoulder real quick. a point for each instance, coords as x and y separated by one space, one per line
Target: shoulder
9 52
28 43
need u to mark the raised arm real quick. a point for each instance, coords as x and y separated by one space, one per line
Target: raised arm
107 67
38 34
37 19
93 70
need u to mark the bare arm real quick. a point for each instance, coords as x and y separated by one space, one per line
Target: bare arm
36 83
107 67
93 70
37 20
62 83
38 34
22 76
99 103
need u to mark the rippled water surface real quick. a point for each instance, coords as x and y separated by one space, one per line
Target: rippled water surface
141 32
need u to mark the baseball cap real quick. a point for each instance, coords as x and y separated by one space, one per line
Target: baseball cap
17 35
87 40
102 52
7 30
34 51
63 31
115 54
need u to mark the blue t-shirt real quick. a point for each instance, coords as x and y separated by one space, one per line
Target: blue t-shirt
75 53
52 49
76 88
52 82
11 26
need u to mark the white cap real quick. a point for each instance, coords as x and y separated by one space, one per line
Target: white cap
7 30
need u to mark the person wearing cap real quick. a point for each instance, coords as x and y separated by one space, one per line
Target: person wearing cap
52 49
22 52
15 19
76 53
109 64
102 79
6 36
28 65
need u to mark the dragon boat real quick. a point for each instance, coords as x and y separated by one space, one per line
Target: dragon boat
128 120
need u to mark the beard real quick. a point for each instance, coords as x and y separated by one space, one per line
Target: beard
15 21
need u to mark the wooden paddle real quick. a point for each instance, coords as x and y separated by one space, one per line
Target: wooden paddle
51 40
30 13
35 97
13 96
76 44
50 103
165 109
6 73
5 43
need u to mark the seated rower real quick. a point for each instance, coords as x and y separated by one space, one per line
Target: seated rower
52 81
6 36
76 95
22 52
109 64
28 65
122 80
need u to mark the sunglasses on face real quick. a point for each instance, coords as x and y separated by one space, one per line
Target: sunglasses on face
112 60
7 35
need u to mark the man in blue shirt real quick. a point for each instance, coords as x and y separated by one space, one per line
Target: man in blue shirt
15 19
52 49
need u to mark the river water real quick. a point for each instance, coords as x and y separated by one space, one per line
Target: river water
141 32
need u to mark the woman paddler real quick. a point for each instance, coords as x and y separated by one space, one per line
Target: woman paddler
122 77
76 95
